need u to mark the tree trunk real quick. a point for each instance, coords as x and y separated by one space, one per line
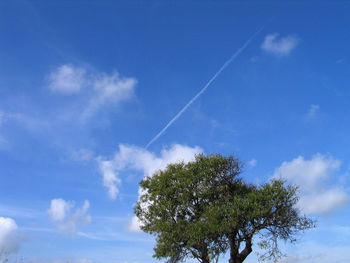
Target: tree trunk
247 250
234 260
204 255
239 257
204 259
233 249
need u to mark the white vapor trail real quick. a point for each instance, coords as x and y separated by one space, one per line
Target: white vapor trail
240 50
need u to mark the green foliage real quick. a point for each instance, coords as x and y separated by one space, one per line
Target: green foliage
202 209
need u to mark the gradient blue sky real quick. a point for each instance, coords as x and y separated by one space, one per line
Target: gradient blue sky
85 85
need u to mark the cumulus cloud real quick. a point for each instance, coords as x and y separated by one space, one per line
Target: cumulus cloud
324 202
312 177
64 218
129 157
67 79
279 46
59 209
10 241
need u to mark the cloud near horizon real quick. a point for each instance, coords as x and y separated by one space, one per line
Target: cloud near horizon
317 195
279 46
10 241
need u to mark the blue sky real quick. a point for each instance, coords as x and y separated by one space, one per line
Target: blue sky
86 85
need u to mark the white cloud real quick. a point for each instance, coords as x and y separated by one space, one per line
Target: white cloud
59 208
252 163
308 174
134 225
109 89
113 88
130 157
9 239
67 79
110 177
280 47
311 176
100 89
324 202
313 111
66 220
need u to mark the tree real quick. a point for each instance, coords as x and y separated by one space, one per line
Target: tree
202 209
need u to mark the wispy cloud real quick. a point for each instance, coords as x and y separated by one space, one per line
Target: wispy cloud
95 89
311 251
340 60
109 90
4 118
8 116
64 218
279 46
67 79
82 155
313 110
317 195
252 163
20 212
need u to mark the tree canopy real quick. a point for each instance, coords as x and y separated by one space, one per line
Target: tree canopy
203 209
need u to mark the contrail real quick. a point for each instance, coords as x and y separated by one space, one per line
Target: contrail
240 50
